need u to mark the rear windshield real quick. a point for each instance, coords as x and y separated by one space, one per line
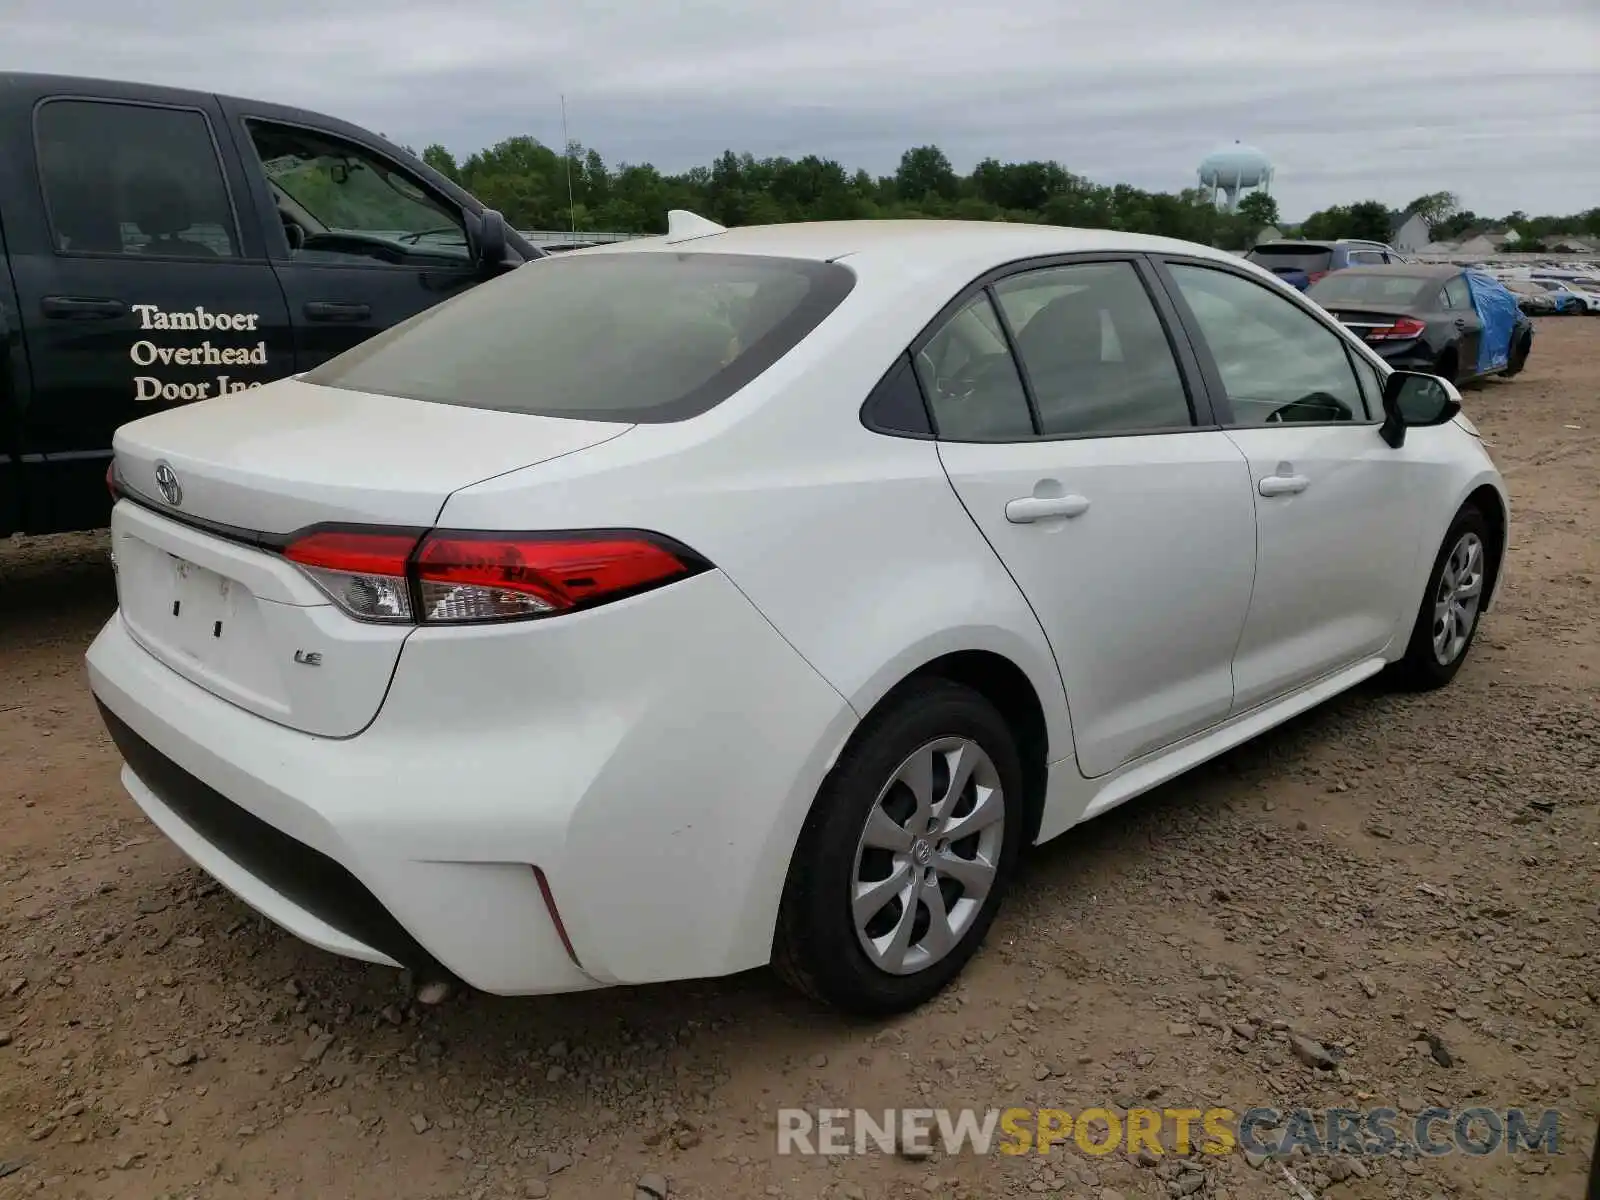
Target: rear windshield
1291 258
1342 287
642 336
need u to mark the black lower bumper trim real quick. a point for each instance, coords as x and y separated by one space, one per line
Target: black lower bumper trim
305 876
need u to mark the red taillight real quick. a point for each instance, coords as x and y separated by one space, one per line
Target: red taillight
1403 330
466 576
353 551
493 576
1314 276
362 571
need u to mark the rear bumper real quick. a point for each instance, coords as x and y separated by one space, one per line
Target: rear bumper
654 759
1408 356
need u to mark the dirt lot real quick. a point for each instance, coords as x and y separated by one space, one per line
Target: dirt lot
1387 867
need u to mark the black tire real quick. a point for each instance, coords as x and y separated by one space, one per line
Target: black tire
1420 669
816 948
1448 365
1519 355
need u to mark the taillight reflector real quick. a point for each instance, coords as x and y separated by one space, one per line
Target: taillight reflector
471 576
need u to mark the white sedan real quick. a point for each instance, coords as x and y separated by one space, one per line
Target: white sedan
670 608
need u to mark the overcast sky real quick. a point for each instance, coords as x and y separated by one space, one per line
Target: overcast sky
1494 100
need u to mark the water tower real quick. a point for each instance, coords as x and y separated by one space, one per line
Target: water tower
1233 170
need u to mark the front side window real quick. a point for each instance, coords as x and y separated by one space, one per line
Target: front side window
1094 350
341 203
635 337
1278 363
971 380
133 179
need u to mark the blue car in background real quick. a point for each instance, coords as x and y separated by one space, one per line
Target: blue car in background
1302 263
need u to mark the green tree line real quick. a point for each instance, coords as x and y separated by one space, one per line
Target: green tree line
529 182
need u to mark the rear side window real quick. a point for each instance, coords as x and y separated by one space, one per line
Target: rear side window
1094 350
638 337
971 380
1291 258
131 179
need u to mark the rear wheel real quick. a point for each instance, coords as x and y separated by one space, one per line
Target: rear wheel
1448 619
1519 354
906 854
1447 365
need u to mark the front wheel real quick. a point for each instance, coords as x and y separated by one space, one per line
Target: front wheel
1448 619
906 854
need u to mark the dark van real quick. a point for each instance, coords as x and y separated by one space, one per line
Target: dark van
160 246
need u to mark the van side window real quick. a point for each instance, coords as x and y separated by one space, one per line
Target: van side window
341 203
133 179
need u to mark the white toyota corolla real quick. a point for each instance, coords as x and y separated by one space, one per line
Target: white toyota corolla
758 595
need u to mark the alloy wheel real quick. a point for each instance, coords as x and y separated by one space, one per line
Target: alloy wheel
1455 604
928 856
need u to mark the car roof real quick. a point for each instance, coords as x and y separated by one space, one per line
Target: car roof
1319 243
934 244
1404 270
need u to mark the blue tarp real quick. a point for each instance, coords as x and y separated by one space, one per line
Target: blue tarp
1497 309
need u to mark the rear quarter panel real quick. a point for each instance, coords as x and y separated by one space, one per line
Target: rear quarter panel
852 543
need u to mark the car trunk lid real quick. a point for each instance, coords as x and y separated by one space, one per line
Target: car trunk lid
202 584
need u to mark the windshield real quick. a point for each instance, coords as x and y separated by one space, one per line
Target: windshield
1344 287
638 336
1292 258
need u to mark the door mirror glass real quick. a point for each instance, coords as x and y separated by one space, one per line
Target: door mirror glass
1412 399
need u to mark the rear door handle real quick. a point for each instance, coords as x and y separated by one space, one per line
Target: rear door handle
318 310
1028 509
1461 322
82 308
1283 485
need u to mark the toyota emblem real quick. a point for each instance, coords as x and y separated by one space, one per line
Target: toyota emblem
167 481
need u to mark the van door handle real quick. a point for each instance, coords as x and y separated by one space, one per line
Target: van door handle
318 310
82 308
1028 509
1283 485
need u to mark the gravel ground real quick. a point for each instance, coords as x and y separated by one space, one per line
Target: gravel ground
1385 870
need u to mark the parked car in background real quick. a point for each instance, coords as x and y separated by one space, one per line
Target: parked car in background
1533 299
677 606
1576 298
1453 323
1301 264
160 246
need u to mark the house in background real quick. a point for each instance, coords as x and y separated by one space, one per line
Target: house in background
1409 232
1481 242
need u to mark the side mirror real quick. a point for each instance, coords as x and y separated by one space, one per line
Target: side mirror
486 233
1411 398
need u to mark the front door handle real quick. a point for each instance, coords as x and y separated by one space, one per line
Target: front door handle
1283 485
318 310
82 308
1028 509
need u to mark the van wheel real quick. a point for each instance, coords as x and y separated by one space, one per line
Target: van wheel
906 854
